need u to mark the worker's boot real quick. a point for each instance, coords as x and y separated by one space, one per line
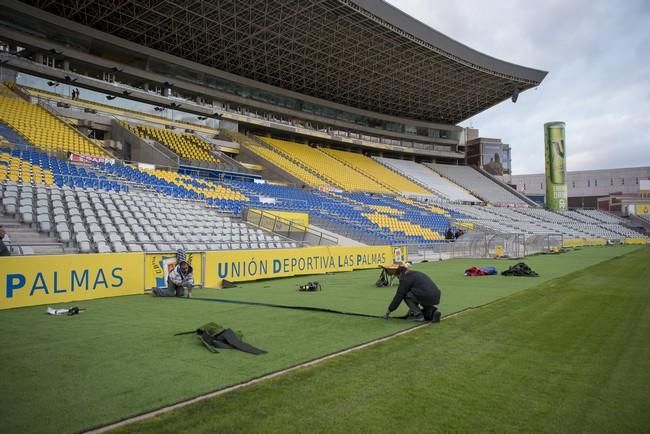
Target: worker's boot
415 314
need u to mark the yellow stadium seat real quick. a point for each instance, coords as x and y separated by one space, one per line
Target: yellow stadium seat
18 170
186 146
379 173
43 129
408 228
331 169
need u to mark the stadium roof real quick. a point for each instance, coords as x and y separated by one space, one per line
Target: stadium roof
361 53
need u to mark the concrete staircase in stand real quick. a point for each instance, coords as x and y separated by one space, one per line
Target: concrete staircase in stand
26 240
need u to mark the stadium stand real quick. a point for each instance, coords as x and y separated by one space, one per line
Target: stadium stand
21 171
600 216
477 183
95 220
348 213
273 157
187 146
114 207
426 206
411 209
545 215
42 129
117 179
207 189
532 221
176 185
445 189
578 216
400 225
390 179
201 134
331 169
110 110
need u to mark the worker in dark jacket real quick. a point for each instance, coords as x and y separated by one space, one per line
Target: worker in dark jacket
419 293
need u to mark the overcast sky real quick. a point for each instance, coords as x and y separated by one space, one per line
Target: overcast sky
597 53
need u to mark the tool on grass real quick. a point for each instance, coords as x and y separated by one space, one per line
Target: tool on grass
310 287
69 311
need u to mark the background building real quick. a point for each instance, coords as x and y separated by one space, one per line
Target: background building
586 186
491 155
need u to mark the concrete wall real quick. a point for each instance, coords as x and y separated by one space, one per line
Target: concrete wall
137 149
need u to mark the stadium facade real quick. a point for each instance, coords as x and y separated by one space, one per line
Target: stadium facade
276 125
357 73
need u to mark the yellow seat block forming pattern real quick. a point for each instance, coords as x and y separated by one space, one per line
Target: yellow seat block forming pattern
288 166
408 228
331 169
21 171
386 209
275 158
424 206
378 172
43 129
209 189
185 145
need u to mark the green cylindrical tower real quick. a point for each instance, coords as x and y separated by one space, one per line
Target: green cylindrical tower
555 153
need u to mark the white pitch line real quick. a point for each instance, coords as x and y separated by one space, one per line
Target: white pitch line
229 389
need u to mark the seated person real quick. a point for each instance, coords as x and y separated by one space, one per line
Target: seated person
4 250
449 235
419 293
179 281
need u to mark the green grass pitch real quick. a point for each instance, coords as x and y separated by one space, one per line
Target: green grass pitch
561 356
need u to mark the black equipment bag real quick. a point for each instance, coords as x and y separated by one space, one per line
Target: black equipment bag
310 287
214 337
226 339
383 279
520 269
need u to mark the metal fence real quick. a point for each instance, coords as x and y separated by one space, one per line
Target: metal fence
348 231
287 228
482 245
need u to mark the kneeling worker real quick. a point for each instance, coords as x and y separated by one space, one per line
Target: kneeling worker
180 279
419 293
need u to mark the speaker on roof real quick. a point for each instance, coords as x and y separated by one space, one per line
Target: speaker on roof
515 95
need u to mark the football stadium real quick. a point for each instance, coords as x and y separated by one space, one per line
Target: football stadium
208 206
